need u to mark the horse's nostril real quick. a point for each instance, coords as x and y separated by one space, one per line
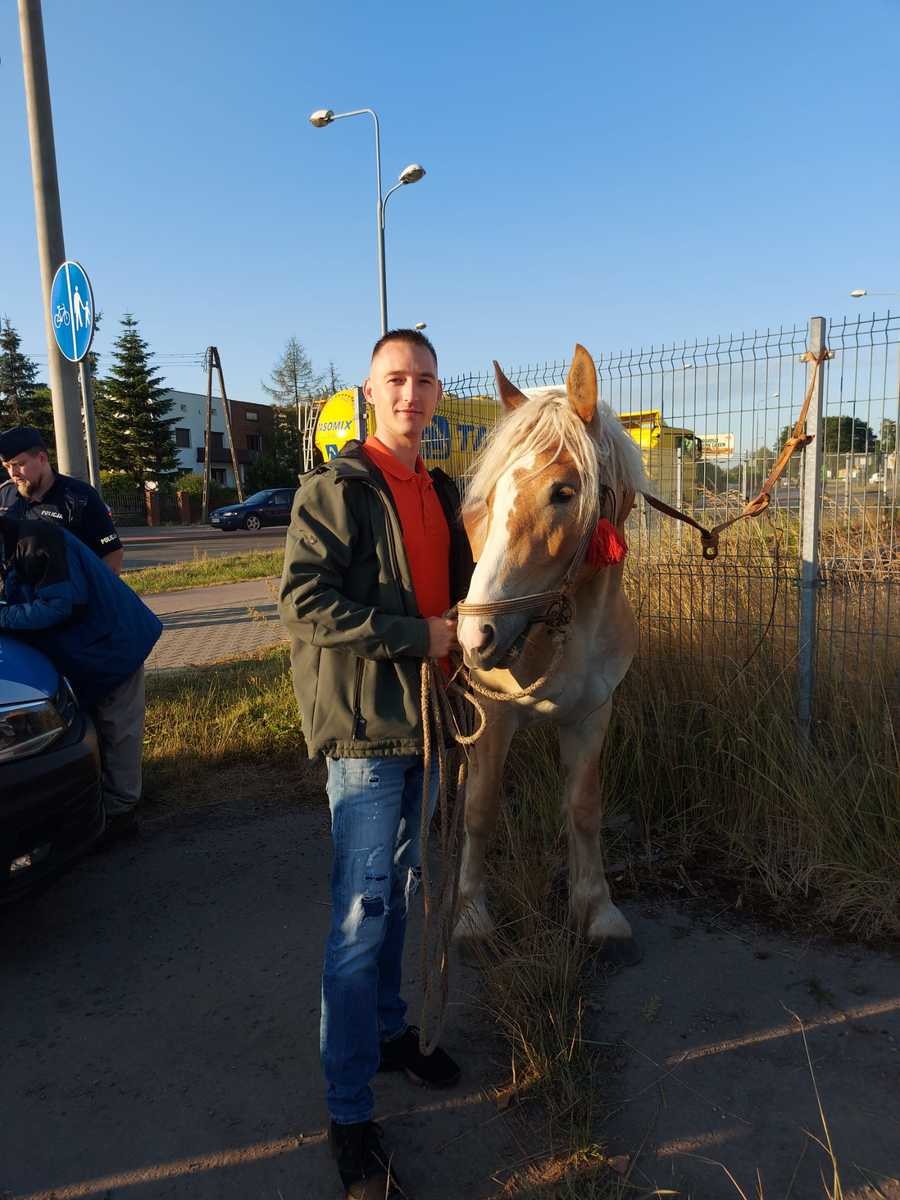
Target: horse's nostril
488 634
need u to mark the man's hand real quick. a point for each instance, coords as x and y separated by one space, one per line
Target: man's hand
441 637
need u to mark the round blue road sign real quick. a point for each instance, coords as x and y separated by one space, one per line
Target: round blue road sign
72 311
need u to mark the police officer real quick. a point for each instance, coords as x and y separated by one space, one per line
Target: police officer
55 594
34 490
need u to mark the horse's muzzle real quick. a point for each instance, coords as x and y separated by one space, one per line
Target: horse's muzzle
501 644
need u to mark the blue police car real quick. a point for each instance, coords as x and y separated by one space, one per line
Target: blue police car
50 804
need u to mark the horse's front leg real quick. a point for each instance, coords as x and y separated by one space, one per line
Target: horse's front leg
589 901
482 807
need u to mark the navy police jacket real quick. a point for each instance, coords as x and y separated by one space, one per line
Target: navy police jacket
60 597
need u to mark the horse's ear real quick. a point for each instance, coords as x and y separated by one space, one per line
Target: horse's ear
581 384
510 396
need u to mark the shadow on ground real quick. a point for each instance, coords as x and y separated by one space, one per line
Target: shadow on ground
159 1008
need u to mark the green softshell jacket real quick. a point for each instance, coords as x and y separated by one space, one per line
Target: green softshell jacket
347 601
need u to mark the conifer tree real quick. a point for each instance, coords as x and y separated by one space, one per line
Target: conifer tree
293 379
23 401
134 429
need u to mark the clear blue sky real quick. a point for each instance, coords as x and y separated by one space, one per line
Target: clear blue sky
614 174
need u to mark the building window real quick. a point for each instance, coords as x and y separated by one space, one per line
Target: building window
254 441
217 474
183 439
251 416
216 442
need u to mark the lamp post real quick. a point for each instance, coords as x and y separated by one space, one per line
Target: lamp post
411 174
858 293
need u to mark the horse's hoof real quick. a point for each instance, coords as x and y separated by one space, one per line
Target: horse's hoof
473 925
619 952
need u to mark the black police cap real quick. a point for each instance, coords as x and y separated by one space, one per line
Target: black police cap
21 438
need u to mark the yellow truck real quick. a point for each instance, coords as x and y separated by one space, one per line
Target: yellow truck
670 454
460 426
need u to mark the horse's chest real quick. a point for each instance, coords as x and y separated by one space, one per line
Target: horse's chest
563 696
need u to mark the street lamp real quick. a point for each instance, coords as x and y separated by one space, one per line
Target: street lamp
411 174
858 293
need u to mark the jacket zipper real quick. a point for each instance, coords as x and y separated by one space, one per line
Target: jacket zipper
357 701
392 547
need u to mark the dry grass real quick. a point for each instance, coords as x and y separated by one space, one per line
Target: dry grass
724 776
812 826
726 793
533 971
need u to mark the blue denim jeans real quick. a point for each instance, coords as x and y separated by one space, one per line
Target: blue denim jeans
376 806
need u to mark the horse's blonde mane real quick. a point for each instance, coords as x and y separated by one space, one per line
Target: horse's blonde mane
603 452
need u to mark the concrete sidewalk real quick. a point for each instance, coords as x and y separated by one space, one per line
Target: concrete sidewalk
206 624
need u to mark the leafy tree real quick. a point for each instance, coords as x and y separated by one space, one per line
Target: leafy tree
23 401
887 438
843 435
40 414
269 471
280 464
293 379
134 430
192 483
711 476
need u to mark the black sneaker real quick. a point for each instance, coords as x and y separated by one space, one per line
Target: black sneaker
365 1169
436 1070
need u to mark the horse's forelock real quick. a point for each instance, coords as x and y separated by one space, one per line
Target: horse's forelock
546 425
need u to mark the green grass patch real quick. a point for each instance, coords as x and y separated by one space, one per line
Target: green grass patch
203 571
226 733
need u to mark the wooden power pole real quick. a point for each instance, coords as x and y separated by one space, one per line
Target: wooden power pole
214 362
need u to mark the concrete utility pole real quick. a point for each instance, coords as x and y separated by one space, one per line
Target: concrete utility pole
70 453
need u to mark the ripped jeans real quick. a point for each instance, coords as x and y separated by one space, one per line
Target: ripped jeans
376 806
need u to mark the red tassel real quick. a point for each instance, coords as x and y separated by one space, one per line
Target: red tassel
607 546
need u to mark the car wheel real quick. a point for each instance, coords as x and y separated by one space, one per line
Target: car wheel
253 523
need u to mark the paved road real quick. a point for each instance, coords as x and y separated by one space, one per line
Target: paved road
156 547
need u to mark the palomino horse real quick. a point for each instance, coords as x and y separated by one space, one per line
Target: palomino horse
545 512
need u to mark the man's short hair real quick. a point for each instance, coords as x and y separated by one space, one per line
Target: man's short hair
412 336
20 439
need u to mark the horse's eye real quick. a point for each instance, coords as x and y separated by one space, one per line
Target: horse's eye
562 494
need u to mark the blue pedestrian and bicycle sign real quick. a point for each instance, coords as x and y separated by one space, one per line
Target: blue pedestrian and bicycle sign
72 311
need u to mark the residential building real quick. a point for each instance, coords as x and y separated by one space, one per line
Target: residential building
252 427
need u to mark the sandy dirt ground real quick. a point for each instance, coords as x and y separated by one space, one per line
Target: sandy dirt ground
159 1009
708 1071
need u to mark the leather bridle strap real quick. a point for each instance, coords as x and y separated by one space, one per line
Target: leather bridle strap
763 498
554 602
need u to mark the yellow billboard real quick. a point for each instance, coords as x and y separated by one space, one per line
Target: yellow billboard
450 442
460 426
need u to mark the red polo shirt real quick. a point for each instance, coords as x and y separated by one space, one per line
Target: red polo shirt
426 536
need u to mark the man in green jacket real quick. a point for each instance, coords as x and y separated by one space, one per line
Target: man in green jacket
374 559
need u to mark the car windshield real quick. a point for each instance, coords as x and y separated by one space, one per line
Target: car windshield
258 498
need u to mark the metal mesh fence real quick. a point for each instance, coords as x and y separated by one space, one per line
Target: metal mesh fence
710 417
